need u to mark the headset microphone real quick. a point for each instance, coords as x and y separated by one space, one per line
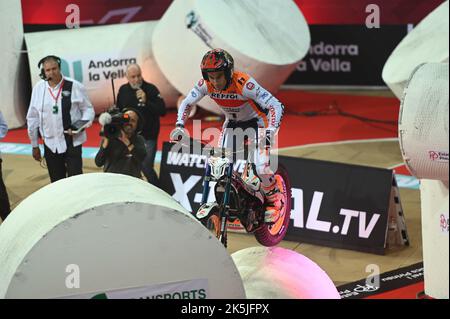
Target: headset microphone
41 62
42 75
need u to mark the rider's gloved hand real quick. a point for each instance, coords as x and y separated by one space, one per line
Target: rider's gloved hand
178 133
268 139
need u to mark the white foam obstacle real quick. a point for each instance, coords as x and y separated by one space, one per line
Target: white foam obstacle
94 55
12 89
251 31
112 236
427 42
423 137
279 273
423 122
434 203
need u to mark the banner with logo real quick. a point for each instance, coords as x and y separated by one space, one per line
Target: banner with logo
188 289
52 14
344 50
347 55
383 283
333 204
342 205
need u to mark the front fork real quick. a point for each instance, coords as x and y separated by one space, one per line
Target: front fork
225 206
206 187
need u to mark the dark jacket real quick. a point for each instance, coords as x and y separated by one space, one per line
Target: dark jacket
153 109
116 158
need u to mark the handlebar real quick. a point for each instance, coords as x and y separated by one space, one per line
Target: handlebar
217 151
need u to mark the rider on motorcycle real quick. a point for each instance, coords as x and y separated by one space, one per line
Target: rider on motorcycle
245 104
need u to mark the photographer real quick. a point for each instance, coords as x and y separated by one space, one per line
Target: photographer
122 150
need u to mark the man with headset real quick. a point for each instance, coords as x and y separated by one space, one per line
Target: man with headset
58 105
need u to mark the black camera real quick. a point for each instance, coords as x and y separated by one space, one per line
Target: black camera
113 122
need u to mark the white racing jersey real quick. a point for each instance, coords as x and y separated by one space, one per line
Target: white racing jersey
244 99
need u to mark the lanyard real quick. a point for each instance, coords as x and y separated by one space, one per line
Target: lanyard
57 96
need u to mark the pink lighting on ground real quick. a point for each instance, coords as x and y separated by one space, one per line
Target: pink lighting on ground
277 272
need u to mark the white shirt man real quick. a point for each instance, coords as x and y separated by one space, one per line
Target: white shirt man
56 103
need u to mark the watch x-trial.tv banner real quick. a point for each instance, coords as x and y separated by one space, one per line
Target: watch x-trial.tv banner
333 204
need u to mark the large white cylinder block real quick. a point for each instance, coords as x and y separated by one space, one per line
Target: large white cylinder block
427 42
423 122
110 235
13 91
280 273
267 39
435 226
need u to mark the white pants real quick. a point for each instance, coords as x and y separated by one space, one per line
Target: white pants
234 135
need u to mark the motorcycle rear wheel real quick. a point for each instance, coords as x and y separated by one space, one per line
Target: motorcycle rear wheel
272 234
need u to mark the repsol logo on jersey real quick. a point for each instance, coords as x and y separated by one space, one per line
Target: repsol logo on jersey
224 96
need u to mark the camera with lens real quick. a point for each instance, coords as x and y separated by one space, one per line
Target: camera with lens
113 122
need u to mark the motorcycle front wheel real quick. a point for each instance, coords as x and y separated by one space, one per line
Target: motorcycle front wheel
213 224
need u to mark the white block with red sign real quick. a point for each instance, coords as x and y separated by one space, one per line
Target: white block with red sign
423 137
434 204
106 235
423 122
267 39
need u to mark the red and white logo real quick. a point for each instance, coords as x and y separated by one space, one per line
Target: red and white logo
433 155
438 156
250 85
273 116
444 223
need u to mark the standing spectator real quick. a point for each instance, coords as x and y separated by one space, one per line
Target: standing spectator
57 102
146 99
4 199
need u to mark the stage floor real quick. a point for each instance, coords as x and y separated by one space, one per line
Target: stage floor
24 176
